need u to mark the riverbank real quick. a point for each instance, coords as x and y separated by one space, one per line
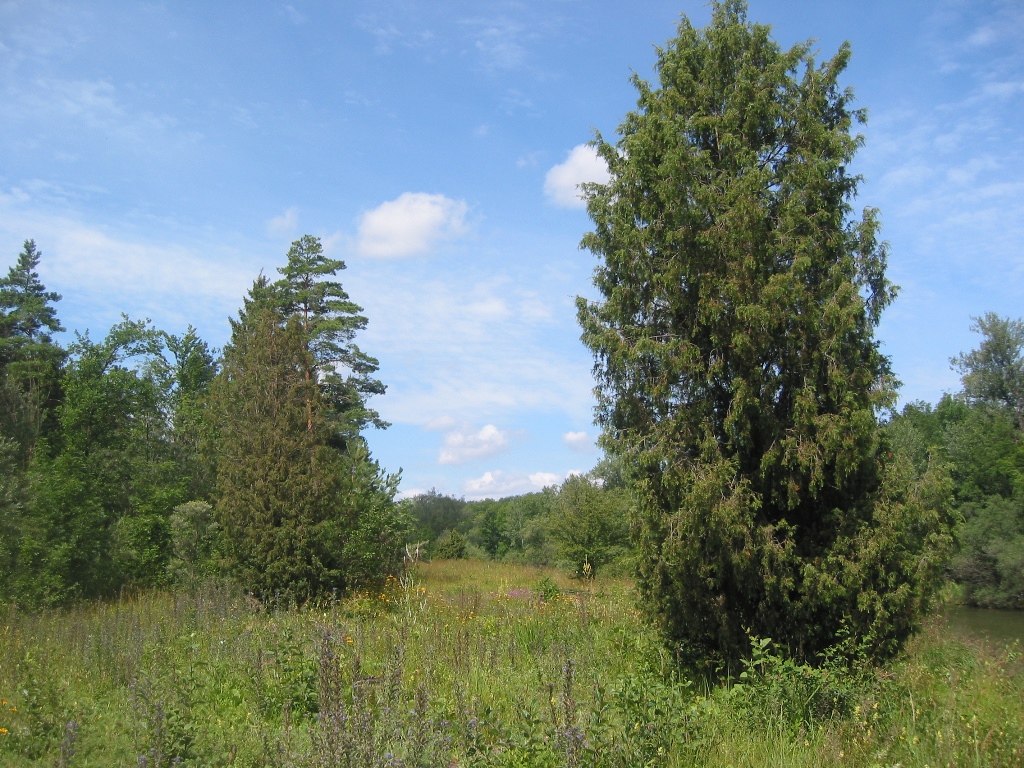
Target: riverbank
471 663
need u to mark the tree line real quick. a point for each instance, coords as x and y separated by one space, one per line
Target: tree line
975 436
144 457
581 526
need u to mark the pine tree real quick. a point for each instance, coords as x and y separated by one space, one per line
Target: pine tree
330 320
738 373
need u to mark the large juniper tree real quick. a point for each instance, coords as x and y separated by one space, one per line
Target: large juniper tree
301 504
276 477
738 373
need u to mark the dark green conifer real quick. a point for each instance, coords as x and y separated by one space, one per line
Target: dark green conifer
299 512
30 360
738 374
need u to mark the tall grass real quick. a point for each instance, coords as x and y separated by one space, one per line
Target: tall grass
469 663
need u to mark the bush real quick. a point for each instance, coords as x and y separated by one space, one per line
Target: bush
450 545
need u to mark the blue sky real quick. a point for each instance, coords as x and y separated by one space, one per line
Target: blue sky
163 154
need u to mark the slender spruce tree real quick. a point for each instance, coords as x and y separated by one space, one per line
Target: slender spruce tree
30 360
739 379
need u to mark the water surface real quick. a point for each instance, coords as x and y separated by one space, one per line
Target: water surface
999 627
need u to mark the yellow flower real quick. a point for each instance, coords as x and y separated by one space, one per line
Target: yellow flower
3 731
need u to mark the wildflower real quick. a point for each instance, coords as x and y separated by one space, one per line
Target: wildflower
3 731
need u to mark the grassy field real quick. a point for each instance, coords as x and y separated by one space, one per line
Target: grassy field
465 663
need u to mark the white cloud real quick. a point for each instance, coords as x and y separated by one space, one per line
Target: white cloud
496 484
411 224
284 224
499 49
96 107
544 479
578 441
529 159
409 493
465 445
561 184
440 423
983 36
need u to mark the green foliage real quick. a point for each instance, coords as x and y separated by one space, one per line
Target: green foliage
30 361
780 693
476 672
990 564
589 524
101 490
513 529
11 500
994 372
738 374
194 540
986 454
329 320
491 527
187 374
547 589
434 513
278 482
450 545
977 434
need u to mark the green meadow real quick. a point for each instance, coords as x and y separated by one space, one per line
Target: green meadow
472 663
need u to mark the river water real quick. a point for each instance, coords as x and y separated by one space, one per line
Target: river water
999 627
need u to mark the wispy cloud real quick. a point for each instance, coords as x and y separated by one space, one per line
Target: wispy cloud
562 182
411 224
498 42
462 446
496 483
471 351
110 272
95 106
396 30
284 224
293 15
578 441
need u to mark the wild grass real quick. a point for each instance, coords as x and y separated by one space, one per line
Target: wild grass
470 663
